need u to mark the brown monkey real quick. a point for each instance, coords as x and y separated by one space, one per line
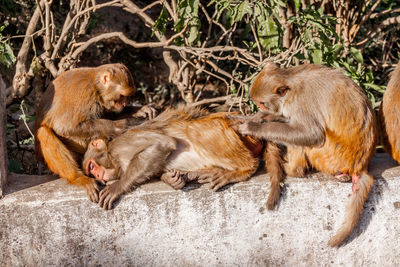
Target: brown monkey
179 143
325 121
70 113
389 115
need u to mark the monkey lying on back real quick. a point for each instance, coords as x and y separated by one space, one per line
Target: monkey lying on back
179 142
326 122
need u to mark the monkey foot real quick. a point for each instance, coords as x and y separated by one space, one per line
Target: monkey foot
175 178
356 182
343 177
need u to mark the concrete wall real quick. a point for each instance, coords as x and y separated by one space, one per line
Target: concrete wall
55 224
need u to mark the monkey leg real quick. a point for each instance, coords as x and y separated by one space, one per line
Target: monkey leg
343 177
61 161
175 178
296 162
273 165
218 177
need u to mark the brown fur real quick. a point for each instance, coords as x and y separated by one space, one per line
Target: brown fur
389 116
70 114
327 123
202 146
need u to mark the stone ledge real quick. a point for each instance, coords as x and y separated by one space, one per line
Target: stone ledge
53 223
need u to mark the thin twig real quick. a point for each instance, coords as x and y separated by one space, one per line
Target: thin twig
211 100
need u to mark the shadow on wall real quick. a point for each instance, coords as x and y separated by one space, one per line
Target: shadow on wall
17 182
381 164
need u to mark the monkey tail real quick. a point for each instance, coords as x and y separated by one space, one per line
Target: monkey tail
353 209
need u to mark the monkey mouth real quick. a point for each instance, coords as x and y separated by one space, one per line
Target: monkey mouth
120 103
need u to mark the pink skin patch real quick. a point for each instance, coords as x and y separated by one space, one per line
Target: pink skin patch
120 103
355 178
260 106
97 171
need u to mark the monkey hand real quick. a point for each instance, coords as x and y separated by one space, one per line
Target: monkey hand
249 128
146 112
92 189
174 178
110 194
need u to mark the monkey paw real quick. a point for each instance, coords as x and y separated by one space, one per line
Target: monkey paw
174 178
248 128
92 190
146 112
343 177
109 194
219 182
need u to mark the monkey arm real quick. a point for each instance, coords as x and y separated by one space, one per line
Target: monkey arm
61 161
259 117
144 165
99 127
286 133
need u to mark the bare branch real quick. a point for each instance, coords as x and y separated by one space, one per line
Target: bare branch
386 12
21 78
364 19
378 29
126 40
66 29
211 100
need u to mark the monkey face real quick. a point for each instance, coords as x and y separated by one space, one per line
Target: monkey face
99 172
97 162
270 90
115 85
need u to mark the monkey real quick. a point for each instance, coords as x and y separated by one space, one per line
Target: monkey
389 115
70 113
324 120
180 142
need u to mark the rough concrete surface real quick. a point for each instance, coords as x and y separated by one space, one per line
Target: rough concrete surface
55 224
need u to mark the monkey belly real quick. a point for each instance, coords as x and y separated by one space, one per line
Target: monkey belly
333 158
185 158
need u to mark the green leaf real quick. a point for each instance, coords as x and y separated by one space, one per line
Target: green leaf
161 22
268 33
375 87
242 10
357 55
188 9
297 4
316 56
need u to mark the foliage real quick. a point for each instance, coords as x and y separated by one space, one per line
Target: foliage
315 37
7 57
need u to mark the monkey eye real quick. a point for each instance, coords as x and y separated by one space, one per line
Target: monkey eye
91 166
281 91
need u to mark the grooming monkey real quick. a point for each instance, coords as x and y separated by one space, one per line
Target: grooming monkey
326 122
71 112
389 115
180 144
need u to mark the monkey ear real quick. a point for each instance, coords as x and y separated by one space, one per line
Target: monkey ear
98 143
269 66
105 78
